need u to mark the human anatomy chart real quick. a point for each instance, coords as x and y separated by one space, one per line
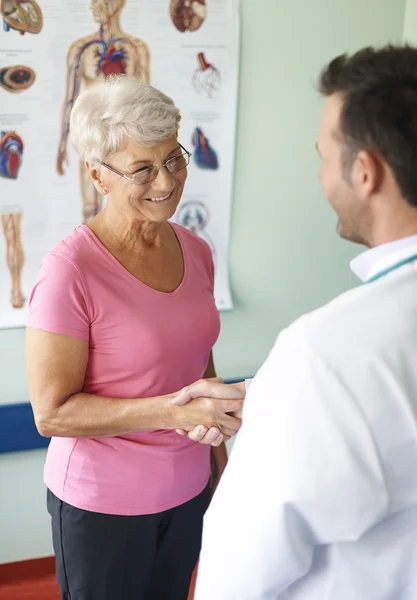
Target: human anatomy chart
195 217
108 51
24 16
11 219
49 52
204 154
16 78
188 15
11 150
206 78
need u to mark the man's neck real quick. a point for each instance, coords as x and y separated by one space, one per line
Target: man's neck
392 221
392 235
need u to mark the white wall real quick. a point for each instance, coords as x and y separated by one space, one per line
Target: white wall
285 257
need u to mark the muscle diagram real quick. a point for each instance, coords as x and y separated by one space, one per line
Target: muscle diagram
204 155
24 16
195 216
109 51
11 150
188 15
206 79
11 220
16 78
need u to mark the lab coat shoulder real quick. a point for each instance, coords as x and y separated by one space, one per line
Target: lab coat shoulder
349 322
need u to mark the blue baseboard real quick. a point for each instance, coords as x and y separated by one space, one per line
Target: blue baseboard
18 430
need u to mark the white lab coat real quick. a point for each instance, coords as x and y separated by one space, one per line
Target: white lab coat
319 500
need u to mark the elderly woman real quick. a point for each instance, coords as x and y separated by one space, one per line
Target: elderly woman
122 317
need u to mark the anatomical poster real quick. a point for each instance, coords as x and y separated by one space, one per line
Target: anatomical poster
50 51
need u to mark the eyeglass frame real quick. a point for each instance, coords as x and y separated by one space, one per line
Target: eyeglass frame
153 167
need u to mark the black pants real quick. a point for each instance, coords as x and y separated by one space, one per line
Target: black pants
111 557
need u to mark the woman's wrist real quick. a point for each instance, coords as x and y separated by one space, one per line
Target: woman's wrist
168 412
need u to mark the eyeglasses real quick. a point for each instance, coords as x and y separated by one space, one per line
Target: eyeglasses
173 165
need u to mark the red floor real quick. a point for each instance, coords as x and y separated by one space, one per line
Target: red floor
29 580
36 589
34 580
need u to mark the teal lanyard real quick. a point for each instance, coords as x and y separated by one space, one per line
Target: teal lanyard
393 268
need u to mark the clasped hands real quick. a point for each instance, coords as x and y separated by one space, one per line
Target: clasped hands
216 406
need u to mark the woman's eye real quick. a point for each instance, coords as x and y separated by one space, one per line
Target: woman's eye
142 170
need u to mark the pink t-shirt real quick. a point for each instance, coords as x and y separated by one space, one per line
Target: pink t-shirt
142 343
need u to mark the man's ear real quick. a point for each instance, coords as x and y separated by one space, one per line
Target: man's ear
94 170
367 174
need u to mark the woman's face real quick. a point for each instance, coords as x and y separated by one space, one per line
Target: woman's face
156 201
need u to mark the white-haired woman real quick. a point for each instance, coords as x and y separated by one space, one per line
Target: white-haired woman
121 318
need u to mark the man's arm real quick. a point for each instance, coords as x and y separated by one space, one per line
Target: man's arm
303 472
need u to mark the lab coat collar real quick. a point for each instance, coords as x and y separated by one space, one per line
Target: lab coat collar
373 261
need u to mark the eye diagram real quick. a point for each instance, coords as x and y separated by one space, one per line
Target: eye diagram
16 78
206 79
11 150
195 216
24 16
204 155
188 15
11 220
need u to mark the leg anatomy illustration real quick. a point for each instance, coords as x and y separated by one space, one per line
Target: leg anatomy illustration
188 15
16 78
24 16
109 51
11 219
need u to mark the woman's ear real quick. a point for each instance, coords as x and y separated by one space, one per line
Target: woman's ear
94 170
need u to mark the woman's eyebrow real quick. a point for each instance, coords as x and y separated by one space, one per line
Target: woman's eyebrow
145 161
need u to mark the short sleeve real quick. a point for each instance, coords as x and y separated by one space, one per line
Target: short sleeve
58 301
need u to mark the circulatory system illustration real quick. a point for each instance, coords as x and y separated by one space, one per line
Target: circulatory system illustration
109 51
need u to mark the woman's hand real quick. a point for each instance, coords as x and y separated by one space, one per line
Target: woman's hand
214 388
209 412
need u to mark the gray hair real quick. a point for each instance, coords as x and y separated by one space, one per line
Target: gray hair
117 108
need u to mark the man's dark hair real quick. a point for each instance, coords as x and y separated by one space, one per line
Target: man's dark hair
379 111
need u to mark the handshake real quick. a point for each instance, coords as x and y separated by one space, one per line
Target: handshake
209 411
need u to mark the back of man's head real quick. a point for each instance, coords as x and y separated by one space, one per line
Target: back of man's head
379 112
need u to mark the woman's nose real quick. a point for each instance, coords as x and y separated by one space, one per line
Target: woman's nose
163 180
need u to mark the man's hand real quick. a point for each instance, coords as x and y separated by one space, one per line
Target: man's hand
212 388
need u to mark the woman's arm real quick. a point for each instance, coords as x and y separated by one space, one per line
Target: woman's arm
56 366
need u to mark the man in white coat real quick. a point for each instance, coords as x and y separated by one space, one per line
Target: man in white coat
319 500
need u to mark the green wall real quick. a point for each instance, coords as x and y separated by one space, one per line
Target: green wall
285 257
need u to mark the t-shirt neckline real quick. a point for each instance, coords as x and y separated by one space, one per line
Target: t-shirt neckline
102 248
